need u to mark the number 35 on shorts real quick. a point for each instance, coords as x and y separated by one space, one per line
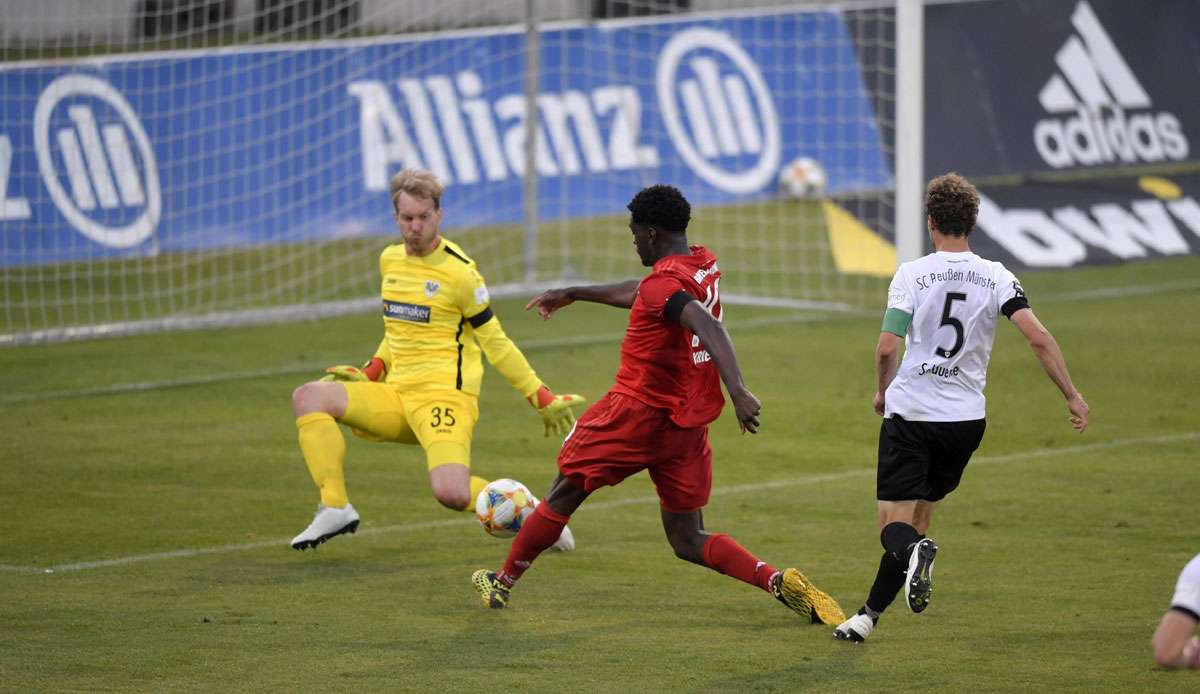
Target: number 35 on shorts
442 417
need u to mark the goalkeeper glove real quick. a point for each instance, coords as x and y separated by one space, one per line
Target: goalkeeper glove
555 410
373 370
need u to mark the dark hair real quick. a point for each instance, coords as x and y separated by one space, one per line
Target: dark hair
662 207
952 203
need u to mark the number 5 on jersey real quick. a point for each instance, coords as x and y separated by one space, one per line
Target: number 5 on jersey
953 322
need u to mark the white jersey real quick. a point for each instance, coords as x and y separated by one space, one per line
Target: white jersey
1187 590
955 300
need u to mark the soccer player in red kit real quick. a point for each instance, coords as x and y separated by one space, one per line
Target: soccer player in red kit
656 416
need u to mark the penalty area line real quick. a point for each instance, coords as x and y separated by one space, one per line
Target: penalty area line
730 490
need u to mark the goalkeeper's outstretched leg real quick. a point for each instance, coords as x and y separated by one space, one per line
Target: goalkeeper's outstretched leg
317 407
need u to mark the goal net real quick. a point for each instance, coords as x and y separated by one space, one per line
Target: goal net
190 163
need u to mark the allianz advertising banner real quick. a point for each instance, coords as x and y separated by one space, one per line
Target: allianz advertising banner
132 156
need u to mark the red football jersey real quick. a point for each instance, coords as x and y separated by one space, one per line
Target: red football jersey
663 364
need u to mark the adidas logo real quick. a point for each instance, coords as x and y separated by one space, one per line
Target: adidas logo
1100 112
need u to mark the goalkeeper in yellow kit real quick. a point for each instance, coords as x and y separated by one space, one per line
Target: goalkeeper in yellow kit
422 384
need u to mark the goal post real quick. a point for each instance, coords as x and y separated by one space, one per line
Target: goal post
910 128
211 162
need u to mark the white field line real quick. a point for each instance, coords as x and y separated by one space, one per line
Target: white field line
281 543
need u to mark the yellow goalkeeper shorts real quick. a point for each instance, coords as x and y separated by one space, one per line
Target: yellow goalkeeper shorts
441 421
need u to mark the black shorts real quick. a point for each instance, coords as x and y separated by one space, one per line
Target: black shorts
923 460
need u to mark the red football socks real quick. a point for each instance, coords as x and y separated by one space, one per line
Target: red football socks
723 554
539 532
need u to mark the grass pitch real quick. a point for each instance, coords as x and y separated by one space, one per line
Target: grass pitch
151 485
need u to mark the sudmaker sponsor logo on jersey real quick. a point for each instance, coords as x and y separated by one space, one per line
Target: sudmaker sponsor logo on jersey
1100 113
409 312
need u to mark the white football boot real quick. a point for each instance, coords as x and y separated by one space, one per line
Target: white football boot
855 629
329 522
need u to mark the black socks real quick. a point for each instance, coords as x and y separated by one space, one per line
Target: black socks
897 539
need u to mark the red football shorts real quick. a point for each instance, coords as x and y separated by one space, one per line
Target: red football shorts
619 436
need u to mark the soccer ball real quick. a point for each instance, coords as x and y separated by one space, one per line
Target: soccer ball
503 506
802 179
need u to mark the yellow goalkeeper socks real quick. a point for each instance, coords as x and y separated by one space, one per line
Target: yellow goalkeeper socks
323 448
477 485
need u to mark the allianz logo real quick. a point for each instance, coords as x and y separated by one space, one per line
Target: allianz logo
1060 237
85 130
714 104
1101 114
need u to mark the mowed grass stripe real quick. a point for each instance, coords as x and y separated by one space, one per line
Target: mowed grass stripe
534 345
1165 439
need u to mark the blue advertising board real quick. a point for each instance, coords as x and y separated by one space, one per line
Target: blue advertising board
114 157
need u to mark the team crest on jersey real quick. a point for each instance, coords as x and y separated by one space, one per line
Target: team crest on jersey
431 288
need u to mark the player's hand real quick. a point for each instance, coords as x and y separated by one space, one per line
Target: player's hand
343 372
878 403
1079 412
549 301
555 410
746 407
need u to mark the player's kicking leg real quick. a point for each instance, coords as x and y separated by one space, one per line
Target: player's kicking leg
721 553
543 530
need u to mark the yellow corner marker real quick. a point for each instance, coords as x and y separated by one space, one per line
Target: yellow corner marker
1160 187
856 248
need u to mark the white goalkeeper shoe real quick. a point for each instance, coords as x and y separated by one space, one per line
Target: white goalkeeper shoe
565 542
329 522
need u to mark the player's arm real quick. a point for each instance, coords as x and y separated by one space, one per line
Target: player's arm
502 353
887 352
374 370
1045 348
620 294
689 313
1175 646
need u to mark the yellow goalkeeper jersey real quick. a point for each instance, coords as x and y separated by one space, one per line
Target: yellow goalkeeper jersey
436 318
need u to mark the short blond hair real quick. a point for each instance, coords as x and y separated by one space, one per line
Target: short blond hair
418 184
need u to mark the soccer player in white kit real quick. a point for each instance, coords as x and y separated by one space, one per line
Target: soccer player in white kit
1175 642
945 307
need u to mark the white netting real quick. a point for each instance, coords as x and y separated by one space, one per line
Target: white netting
181 163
